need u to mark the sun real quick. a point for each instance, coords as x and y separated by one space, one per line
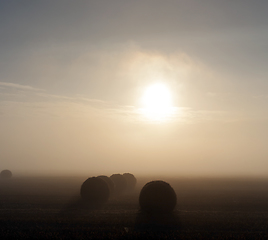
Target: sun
157 102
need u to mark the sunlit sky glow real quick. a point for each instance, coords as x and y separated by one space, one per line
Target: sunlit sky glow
157 103
79 79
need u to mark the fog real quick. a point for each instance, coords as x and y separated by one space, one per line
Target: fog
104 143
72 77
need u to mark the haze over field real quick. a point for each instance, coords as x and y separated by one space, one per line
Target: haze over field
80 83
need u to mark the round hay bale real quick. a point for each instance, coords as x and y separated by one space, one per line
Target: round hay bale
109 182
95 191
157 197
131 180
6 174
120 183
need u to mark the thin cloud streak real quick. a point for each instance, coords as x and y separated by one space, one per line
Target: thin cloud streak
35 98
19 86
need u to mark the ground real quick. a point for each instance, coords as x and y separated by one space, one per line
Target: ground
207 208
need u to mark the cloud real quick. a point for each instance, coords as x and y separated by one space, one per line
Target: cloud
19 86
113 80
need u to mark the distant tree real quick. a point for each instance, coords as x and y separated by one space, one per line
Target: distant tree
109 182
6 174
131 180
95 191
120 183
157 197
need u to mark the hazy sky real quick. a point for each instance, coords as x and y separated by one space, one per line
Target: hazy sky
73 75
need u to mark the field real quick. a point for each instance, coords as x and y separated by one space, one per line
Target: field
208 208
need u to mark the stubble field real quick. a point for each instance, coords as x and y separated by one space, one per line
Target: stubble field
207 208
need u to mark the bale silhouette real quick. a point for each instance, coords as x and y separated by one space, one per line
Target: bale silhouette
120 183
95 191
6 174
131 180
157 197
109 182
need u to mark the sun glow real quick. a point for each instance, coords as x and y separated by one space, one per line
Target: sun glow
157 102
